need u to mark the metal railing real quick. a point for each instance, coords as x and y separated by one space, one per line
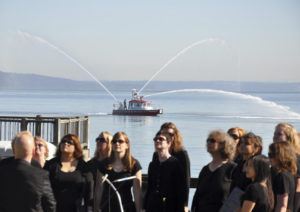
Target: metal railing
51 129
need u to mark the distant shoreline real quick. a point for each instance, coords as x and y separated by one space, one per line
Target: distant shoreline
17 81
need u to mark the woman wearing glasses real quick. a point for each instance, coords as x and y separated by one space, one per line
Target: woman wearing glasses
249 146
178 151
41 151
120 165
102 151
165 192
237 133
214 179
71 182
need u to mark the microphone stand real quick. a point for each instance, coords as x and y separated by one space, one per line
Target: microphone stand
105 179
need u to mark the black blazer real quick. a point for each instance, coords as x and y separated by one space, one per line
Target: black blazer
25 188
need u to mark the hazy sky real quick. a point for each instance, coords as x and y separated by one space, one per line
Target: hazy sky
257 40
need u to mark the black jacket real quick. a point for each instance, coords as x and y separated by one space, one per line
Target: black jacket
87 192
25 188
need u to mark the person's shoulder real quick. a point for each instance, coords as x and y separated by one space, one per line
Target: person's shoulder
180 153
50 164
53 160
91 162
6 161
137 166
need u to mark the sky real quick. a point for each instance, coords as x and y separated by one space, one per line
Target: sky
134 40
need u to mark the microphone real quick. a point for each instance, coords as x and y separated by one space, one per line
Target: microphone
124 179
104 178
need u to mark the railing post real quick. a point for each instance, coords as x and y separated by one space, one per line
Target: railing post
38 126
56 131
24 124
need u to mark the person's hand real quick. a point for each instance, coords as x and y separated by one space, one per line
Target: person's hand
186 209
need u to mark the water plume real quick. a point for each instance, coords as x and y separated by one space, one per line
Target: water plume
237 95
50 45
183 51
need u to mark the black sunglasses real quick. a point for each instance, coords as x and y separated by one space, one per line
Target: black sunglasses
120 141
158 138
171 134
40 145
246 143
211 140
67 141
271 155
235 137
101 140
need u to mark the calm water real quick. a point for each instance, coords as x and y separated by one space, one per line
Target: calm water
195 114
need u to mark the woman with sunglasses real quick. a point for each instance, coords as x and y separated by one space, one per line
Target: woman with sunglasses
178 151
237 133
249 146
71 182
215 178
41 151
102 151
283 161
287 133
165 191
119 165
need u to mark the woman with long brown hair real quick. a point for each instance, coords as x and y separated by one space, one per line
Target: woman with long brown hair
249 146
287 133
120 165
283 161
70 179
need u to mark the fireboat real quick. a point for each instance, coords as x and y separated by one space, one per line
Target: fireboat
136 107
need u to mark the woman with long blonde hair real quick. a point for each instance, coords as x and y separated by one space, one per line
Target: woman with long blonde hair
120 165
102 151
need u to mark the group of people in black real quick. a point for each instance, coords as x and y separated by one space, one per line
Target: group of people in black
238 178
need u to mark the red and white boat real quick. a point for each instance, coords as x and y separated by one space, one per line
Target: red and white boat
136 107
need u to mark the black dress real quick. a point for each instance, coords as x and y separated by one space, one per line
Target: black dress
212 188
165 192
256 193
184 160
109 201
283 182
73 191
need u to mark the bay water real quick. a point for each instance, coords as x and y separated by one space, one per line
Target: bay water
194 113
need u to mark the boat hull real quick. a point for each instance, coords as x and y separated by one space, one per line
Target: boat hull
137 112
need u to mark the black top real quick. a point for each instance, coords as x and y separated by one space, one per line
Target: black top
257 193
109 198
212 188
283 182
165 191
93 168
239 178
298 166
184 160
72 190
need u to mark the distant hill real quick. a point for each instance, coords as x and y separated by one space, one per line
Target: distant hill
16 81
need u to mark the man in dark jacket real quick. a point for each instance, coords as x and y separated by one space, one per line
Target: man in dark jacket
24 187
